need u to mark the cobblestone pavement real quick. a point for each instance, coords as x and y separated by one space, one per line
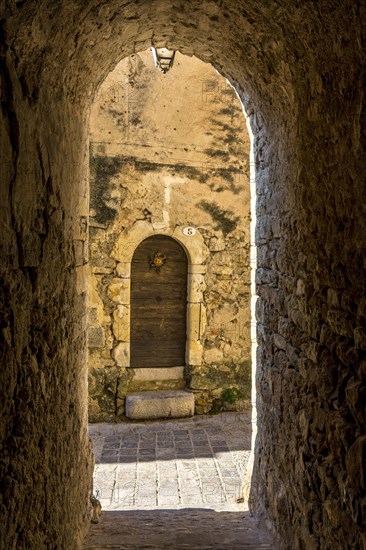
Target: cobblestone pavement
174 484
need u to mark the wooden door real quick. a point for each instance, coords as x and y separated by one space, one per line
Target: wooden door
158 303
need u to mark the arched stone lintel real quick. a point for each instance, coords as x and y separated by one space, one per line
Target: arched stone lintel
128 241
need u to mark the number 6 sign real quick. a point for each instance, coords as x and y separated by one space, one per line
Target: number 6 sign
189 231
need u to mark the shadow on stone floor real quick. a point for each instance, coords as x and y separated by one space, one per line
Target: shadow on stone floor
123 459
195 528
202 438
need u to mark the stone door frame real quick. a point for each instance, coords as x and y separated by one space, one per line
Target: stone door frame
197 253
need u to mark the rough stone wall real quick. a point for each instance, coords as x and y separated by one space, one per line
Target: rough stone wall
152 162
300 70
311 287
46 461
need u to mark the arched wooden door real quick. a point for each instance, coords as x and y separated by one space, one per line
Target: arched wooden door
158 303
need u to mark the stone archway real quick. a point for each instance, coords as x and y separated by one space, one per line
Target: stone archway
299 69
193 243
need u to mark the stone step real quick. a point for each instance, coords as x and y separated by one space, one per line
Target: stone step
157 378
150 405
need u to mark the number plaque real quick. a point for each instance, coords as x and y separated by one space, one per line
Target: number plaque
189 231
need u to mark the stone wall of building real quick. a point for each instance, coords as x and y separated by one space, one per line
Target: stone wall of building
299 68
169 151
46 462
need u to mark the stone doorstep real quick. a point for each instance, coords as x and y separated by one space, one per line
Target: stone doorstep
150 405
158 374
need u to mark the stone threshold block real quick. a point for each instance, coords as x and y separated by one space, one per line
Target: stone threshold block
150 405
158 374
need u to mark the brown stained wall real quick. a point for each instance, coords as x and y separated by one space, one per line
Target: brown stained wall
300 70
172 150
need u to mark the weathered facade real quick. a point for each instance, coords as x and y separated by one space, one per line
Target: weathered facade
157 171
299 68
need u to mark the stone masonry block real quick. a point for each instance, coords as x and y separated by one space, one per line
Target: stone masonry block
96 337
121 354
194 320
196 287
121 323
159 404
194 353
119 291
123 269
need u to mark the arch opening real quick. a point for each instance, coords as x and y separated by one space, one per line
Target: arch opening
157 171
198 161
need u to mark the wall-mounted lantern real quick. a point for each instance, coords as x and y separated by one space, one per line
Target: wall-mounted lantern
163 58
